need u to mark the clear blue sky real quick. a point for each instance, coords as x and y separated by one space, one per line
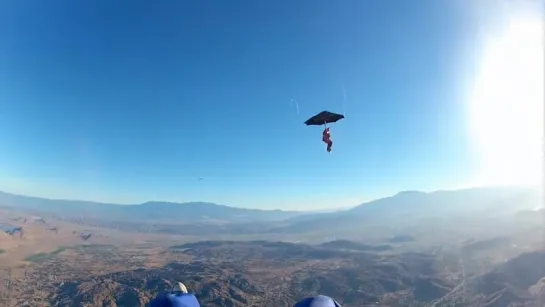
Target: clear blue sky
127 101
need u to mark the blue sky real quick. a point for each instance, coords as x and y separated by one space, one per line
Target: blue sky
127 101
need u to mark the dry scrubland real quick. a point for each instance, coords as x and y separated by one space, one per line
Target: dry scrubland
390 258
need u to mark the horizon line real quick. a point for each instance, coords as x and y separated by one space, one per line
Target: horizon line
284 210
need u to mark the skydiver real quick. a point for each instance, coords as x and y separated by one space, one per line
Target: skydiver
326 138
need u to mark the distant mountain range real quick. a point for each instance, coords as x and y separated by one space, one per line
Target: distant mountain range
404 205
149 211
413 205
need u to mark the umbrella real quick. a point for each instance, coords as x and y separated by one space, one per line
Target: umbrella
324 117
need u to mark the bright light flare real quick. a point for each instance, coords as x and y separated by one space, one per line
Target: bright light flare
506 107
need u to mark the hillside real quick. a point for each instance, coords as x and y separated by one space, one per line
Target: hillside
255 273
517 282
407 209
477 247
404 214
260 273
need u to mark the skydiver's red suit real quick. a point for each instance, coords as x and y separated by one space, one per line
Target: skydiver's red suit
326 138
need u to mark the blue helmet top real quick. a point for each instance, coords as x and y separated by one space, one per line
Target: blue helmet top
317 301
175 300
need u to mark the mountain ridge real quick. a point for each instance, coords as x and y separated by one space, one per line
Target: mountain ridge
147 210
404 205
411 206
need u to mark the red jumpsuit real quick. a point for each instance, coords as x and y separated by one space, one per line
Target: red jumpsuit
326 138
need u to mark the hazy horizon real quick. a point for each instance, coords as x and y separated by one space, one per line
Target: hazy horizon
317 210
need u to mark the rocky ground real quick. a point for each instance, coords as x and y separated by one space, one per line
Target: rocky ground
261 273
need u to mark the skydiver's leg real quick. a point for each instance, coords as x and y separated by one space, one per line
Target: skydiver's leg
329 144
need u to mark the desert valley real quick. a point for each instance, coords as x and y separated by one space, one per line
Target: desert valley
474 247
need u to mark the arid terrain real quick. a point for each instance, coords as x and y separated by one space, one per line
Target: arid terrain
460 259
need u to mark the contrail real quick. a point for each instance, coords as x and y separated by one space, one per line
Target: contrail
296 105
344 99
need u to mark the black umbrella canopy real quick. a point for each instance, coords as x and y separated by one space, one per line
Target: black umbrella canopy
324 117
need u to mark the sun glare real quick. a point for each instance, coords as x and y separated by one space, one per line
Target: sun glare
506 107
